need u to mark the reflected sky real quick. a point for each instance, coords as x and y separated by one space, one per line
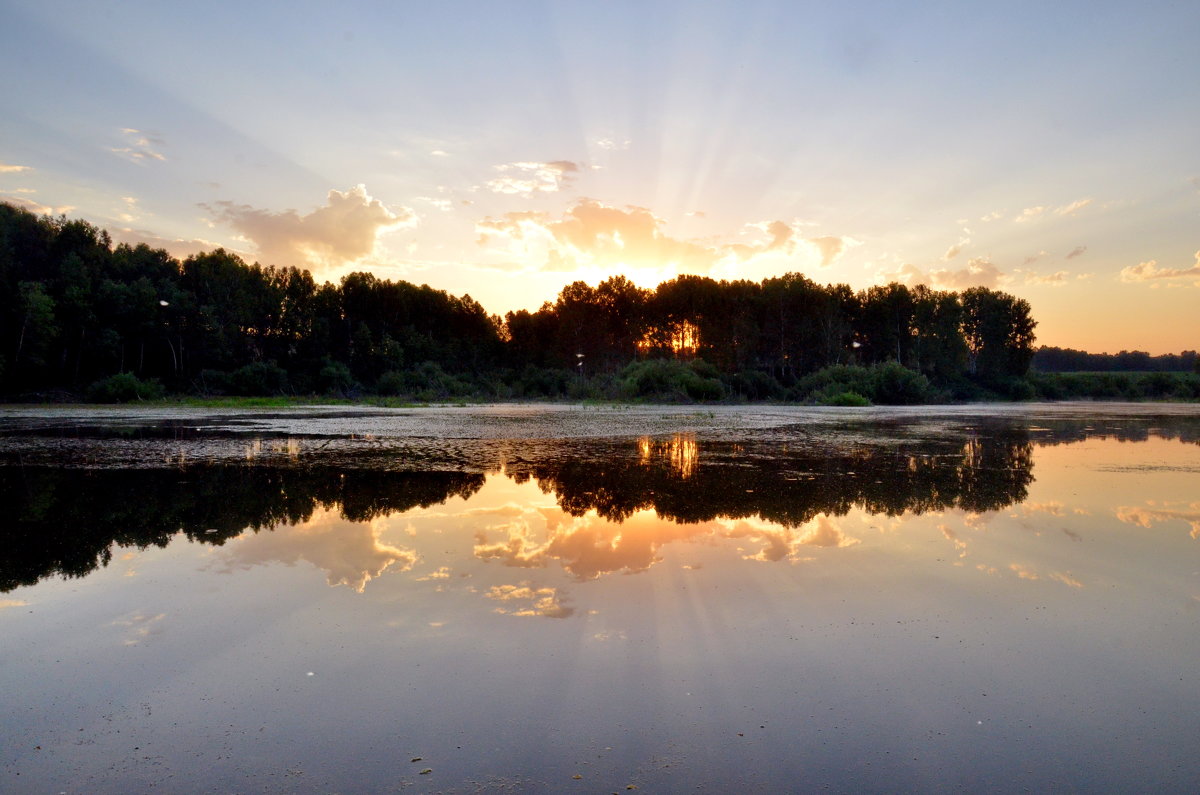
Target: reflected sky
1006 606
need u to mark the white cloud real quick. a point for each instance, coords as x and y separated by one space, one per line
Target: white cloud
350 553
6 168
1036 213
344 230
139 147
613 144
1073 207
527 178
1147 271
544 602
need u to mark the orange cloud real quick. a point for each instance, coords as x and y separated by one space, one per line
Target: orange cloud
1148 271
979 272
593 234
35 207
6 168
344 230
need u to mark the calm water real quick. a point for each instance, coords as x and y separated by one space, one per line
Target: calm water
586 600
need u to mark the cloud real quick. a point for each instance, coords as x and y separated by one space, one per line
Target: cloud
35 207
956 249
1147 271
1146 517
1035 213
631 240
128 213
350 553
176 247
6 168
1056 278
140 627
528 178
544 602
591 233
993 216
13 603
139 147
1073 207
829 247
1078 251
979 272
612 144
342 231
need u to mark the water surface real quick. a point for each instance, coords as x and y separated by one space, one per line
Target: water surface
562 599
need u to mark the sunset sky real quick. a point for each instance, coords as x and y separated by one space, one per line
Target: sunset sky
505 149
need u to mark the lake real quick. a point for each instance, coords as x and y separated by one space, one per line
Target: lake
597 599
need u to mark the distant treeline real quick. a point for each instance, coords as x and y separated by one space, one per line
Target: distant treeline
82 317
1069 360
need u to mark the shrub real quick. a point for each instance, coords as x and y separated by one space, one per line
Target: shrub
896 385
122 388
754 385
259 378
666 379
334 378
844 399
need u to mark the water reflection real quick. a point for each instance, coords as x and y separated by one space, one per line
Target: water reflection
618 504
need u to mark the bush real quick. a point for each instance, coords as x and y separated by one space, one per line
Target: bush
543 382
335 378
754 385
844 399
122 388
669 380
259 379
896 385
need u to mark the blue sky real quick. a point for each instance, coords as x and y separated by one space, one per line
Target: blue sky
506 149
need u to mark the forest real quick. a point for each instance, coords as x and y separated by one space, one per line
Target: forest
81 317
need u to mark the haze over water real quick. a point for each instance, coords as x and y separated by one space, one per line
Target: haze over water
771 599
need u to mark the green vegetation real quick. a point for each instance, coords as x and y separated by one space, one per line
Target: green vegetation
80 317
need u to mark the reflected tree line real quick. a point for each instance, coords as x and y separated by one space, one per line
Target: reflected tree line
80 315
68 522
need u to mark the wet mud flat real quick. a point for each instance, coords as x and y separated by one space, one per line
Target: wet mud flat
554 598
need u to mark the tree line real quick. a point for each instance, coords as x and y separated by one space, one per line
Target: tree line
80 315
1068 360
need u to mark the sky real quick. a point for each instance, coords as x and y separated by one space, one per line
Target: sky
506 149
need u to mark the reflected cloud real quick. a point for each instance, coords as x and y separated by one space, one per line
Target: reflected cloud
13 603
590 546
350 553
139 627
529 601
1147 517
